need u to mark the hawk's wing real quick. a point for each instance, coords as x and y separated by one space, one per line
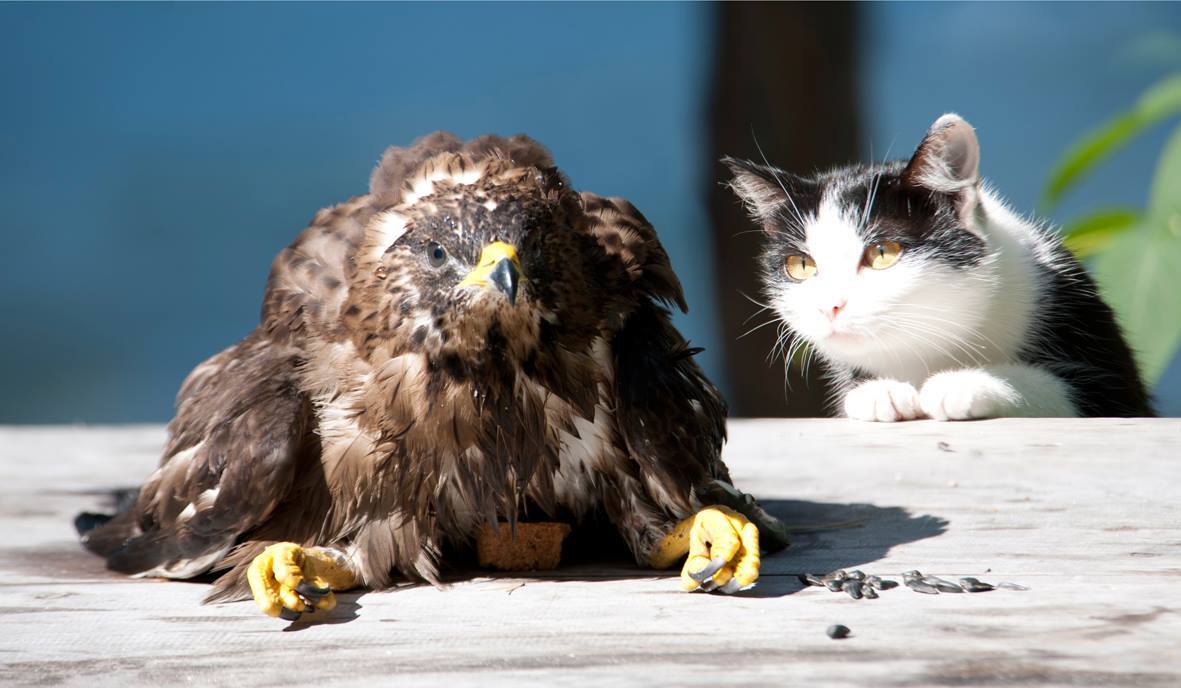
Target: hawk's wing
243 425
623 232
670 416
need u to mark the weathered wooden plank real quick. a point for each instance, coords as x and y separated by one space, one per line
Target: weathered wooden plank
1084 512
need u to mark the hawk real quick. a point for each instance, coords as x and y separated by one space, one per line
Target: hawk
470 343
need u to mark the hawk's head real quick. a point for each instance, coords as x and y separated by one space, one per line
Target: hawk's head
478 252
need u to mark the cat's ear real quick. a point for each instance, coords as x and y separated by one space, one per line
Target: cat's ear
762 189
948 159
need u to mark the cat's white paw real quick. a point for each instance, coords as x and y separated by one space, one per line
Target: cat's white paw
883 400
967 394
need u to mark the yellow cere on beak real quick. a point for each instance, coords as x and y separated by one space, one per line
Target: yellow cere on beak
499 266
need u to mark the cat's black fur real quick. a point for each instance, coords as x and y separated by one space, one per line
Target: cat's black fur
1075 336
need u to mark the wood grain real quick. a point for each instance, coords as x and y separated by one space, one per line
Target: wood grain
1084 512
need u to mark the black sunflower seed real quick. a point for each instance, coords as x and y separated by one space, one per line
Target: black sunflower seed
919 586
975 585
941 584
837 631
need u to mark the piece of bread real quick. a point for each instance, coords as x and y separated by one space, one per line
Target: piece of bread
537 546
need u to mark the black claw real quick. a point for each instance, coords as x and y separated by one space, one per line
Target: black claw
708 572
288 614
732 586
310 591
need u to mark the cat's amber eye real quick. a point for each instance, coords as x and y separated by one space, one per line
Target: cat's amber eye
799 267
883 254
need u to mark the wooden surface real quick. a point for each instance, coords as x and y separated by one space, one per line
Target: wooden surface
1084 512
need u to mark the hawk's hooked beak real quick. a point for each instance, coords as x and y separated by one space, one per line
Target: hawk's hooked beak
498 266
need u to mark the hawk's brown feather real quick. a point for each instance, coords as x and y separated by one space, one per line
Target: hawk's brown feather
385 409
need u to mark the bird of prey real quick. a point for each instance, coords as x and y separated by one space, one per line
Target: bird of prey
470 342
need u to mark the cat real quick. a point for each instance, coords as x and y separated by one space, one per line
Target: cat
925 296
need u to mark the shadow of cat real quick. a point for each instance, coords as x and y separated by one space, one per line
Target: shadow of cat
828 536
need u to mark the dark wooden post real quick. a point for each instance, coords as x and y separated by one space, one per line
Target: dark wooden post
787 71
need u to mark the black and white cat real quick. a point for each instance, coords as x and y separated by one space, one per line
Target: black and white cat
927 297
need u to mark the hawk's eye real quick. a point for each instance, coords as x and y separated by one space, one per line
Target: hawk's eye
436 255
883 255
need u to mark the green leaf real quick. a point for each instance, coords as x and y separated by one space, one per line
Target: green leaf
1156 104
1092 233
1164 201
1140 277
1140 271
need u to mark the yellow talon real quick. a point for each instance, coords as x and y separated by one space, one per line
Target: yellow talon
723 549
286 578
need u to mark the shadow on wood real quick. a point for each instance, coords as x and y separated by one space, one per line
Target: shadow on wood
826 536
839 536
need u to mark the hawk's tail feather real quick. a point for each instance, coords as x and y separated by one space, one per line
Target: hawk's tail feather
104 534
88 521
143 552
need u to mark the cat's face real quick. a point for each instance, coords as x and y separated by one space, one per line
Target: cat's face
877 267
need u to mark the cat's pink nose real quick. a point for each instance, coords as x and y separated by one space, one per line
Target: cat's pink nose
835 310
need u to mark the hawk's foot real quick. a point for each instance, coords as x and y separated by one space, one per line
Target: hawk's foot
287 580
723 549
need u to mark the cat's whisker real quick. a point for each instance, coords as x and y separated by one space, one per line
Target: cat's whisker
785 345
873 193
939 337
752 315
976 332
898 359
922 324
792 343
753 300
775 173
757 327
761 230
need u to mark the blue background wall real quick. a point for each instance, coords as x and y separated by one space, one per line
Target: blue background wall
154 158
